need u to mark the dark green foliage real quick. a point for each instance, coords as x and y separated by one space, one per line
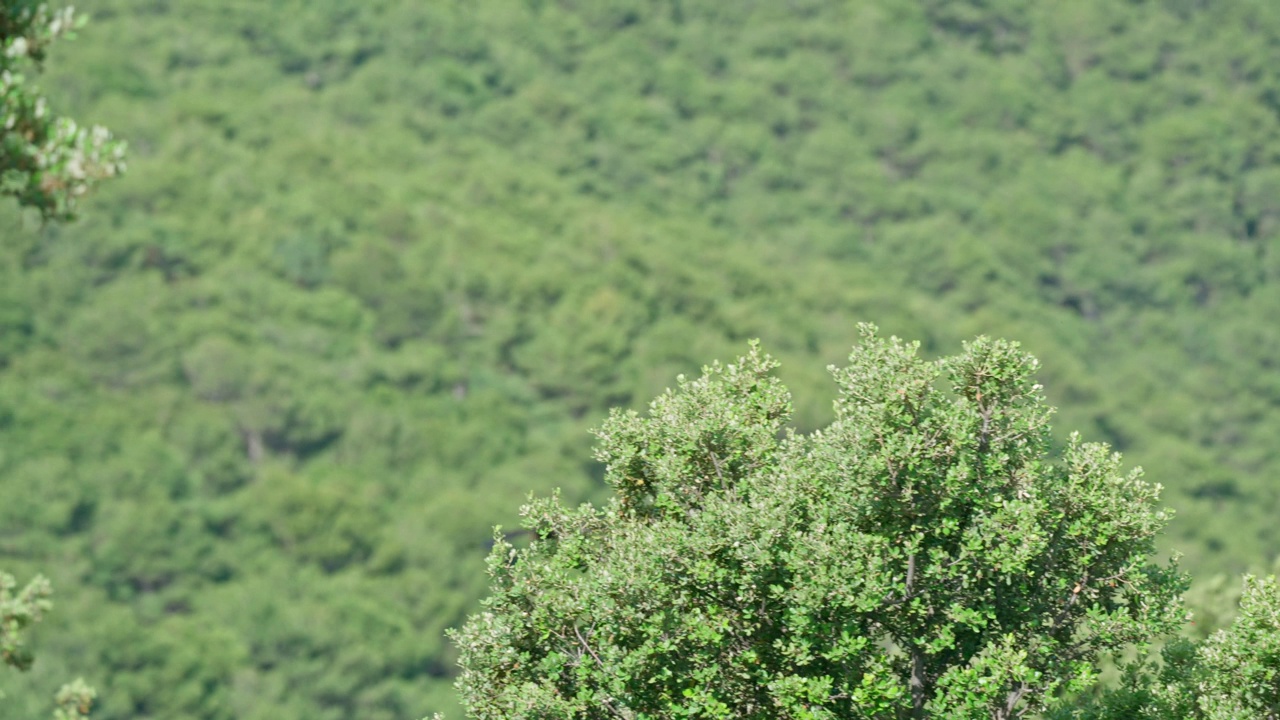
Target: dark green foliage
379 265
919 557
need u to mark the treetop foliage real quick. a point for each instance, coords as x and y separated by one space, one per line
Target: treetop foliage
922 556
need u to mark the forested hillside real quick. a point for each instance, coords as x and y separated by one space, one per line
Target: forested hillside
377 267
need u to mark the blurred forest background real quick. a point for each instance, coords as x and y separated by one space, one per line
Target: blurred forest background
378 266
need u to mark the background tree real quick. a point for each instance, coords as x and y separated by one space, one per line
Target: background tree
922 556
380 265
47 162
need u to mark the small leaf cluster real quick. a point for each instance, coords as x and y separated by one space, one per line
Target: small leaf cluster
46 162
922 556
18 611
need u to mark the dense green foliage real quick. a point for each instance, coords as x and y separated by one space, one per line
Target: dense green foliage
378 266
1235 673
919 557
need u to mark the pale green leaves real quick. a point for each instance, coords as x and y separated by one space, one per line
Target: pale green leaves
46 162
74 701
17 612
1241 676
20 610
704 437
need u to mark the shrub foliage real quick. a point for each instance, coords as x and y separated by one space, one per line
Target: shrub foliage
923 556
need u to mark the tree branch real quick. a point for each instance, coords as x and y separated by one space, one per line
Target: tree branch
585 646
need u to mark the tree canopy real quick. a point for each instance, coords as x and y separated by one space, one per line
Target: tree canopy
922 556
377 267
